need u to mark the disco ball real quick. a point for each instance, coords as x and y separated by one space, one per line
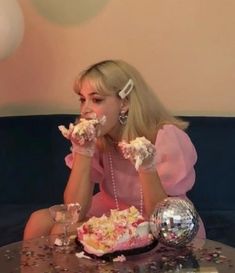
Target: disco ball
174 222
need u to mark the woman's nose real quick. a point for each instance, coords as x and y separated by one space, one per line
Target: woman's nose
86 108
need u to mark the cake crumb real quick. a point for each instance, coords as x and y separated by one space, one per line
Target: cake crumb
82 255
120 258
58 242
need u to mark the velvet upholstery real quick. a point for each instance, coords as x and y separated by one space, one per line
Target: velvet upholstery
33 174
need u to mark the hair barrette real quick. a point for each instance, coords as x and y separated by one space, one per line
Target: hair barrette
126 89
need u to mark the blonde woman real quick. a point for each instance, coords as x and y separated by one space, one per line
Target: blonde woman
116 91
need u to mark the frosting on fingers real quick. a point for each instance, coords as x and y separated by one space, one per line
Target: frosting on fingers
138 150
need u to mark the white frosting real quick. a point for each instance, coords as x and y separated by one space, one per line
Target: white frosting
84 130
137 150
143 229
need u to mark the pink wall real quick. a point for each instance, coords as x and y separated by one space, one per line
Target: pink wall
185 49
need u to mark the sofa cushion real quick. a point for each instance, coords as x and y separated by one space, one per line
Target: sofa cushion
214 139
33 174
32 159
220 225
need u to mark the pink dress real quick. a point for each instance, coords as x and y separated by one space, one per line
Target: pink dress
176 157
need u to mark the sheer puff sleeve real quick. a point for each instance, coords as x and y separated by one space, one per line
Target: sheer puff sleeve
176 157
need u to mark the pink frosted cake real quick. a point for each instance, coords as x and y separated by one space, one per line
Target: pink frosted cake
122 230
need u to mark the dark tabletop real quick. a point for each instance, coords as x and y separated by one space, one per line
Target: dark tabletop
40 255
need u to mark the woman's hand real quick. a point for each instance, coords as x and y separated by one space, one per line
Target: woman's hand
83 135
141 152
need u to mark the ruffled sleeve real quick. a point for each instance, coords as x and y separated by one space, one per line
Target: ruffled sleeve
176 157
97 172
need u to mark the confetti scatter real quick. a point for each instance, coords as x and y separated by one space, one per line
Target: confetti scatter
214 256
163 259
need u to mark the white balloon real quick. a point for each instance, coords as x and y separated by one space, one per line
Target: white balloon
11 27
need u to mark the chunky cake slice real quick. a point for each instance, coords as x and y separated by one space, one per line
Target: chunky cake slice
122 230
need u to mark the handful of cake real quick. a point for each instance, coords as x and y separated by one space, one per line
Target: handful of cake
122 230
138 150
84 131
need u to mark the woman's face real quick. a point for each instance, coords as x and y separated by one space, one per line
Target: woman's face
96 105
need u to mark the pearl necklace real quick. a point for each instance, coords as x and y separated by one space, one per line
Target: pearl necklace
115 187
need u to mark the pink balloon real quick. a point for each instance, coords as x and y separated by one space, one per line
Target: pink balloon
11 27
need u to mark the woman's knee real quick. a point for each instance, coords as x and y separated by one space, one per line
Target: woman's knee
57 229
39 223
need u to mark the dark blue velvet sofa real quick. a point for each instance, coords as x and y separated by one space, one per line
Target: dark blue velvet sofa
33 174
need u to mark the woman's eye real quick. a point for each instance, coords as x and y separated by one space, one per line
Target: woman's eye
97 100
94 100
82 100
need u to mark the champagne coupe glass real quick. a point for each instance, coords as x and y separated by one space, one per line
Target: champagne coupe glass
65 214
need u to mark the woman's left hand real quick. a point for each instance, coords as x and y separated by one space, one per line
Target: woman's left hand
141 152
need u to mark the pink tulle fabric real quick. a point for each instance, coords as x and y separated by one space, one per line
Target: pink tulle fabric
176 157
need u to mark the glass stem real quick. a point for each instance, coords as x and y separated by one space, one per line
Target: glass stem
66 238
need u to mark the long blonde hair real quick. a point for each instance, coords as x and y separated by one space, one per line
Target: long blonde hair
146 113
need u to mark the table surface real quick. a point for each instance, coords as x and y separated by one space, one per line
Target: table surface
41 255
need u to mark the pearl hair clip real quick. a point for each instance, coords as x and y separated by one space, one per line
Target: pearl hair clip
126 89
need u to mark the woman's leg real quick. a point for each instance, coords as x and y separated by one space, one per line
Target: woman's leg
40 223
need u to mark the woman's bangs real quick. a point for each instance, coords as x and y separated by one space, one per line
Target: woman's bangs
96 82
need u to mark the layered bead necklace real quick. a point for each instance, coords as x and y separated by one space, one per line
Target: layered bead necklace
114 186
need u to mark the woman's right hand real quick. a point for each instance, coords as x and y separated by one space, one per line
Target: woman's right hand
83 135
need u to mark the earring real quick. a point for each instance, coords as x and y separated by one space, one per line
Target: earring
123 117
